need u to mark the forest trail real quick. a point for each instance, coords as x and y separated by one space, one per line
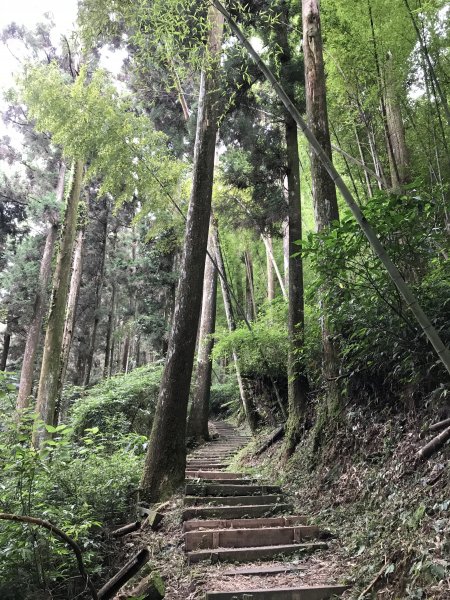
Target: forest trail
229 517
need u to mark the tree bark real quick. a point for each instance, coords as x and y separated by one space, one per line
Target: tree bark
250 303
5 349
34 329
166 455
71 309
109 333
269 263
198 416
247 403
324 192
98 292
51 360
297 379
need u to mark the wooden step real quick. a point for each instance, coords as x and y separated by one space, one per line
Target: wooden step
206 481
212 489
205 465
263 570
230 500
252 553
243 538
244 523
234 512
212 474
316 592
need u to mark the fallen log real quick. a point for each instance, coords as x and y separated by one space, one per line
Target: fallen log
274 437
434 445
440 425
150 588
132 567
126 529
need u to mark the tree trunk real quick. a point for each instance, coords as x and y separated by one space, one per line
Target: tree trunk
247 403
250 303
269 264
324 192
98 291
109 333
268 243
71 309
51 359
396 130
5 349
297 380
198 416
166 455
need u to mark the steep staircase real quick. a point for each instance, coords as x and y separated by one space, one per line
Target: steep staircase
232 518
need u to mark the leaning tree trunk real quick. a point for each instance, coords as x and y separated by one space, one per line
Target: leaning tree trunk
34 329
197 427
51 359
324 192
247 403
166 455
407 294
269 264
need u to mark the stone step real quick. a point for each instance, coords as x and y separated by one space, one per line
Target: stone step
316 592
193 524
230 500
252 553
263 570
225 489
244 538
235 512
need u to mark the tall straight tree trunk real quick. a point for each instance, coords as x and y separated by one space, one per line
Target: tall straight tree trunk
34 329
396 128
5 349
166 455
247 403
51 359
324 191
297 380
269 266
71 309
98 292
197 427
361 154
250 303
109 333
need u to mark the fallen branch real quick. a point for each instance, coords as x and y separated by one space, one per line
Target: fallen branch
126 529
274 437
440 425
59 533
125 574
373 582
434 445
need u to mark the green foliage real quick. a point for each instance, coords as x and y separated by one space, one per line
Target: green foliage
92 122
381 347
120 405
80 487
263 350
223 396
